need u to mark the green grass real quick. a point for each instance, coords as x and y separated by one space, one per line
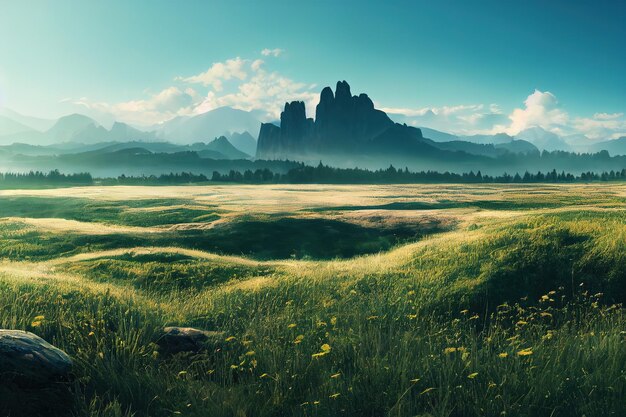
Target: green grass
113 212
280 238
516 315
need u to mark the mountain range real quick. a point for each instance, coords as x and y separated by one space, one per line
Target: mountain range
235 125
346 128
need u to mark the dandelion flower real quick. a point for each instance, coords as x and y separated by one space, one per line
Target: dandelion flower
503 355
473 375
525 352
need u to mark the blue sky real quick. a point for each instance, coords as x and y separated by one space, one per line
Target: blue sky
462 60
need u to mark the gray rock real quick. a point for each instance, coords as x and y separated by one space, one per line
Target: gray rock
27 359
187 339
343 124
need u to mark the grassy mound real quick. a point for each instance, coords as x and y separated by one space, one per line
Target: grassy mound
505 315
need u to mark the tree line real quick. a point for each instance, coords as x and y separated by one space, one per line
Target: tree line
304 174
324 174
53 177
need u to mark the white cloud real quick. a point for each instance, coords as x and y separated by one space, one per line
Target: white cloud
252 87
256 65
607 116
541 109
544 110
218 73
601 126
166 104
272 52
266 92
464 119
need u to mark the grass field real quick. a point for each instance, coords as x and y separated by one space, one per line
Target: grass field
400 300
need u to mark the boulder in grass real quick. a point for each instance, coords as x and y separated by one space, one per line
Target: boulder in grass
28 360
187 339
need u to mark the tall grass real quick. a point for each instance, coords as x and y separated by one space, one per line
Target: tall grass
516 316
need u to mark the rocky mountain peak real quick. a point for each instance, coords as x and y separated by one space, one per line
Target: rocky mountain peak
343 124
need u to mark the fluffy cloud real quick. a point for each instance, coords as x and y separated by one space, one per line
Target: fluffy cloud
220 72
466 119
607 116
166 104
272 52
541 109
240 83
600 126
265 92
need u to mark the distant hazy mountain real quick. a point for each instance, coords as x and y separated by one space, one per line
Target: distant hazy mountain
122 132
436 135
614 146
245 142
518 146
498 138
207 126
222 146
489 149
543 139
34 123
10 127
76 128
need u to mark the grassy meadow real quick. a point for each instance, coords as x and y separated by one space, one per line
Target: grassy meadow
386 300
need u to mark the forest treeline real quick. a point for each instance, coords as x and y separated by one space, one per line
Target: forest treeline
304 174
324 174
37 178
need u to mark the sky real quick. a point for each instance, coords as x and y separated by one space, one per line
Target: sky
461 66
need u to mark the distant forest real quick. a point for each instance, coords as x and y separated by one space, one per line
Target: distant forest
303 174
37 178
